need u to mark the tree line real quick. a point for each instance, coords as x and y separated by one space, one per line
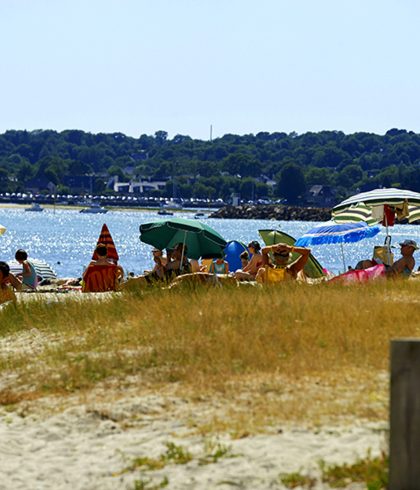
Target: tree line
244 164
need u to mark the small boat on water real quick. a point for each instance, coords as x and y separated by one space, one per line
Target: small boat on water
94 208
200 216
171 204
35 206
164 212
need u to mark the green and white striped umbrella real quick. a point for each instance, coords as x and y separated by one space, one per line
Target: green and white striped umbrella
361 207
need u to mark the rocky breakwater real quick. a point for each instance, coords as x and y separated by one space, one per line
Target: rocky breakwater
273 212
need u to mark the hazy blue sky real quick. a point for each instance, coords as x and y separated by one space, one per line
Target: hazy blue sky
244 66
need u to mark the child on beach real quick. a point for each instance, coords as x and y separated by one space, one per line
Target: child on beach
7 279
29 277
244 259
219 266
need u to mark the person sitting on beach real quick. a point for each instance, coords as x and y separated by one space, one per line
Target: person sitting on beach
249 272
244 259
158 271
102 252
178 262
404 266
7 279
219 266
29 276
281 253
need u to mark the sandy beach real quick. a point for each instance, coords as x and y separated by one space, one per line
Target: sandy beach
90 445
130 433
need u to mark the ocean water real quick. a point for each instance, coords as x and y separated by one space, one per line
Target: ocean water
66 238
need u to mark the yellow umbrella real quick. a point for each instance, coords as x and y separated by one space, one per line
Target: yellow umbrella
2 230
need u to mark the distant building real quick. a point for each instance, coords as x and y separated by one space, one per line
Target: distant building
322 196
143 186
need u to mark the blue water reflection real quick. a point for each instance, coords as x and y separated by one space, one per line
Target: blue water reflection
66 238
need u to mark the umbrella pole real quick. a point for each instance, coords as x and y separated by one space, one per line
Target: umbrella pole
342 255
181 268
387 241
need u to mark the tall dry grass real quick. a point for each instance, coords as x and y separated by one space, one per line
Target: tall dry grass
293 346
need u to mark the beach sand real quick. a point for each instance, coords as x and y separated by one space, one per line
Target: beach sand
89 440
91 443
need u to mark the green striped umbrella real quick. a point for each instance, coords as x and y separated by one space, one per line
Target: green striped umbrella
361 207
355 213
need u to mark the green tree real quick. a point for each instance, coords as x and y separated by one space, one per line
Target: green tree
291 183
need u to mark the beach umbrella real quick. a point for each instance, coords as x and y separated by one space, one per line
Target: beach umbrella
43 269
379 205
201 239
2 230
106 238
330 233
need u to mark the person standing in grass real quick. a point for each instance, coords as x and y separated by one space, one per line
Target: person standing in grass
29 277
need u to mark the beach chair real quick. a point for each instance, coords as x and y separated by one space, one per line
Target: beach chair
100 278
384 254
272 276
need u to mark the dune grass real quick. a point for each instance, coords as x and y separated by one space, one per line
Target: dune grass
286 353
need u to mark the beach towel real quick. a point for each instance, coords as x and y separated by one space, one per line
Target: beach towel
100 278
360 276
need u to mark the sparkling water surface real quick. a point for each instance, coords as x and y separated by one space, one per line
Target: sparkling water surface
66 238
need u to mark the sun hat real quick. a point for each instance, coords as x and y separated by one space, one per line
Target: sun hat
409 243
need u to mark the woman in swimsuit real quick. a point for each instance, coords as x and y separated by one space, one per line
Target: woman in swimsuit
249 272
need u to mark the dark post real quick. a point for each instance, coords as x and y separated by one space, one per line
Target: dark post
404 460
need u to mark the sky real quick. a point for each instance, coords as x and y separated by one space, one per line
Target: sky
183 66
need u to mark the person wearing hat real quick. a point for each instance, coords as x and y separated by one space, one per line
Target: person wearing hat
404 266
282 255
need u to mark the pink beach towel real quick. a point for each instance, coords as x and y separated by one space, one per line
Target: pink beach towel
363 275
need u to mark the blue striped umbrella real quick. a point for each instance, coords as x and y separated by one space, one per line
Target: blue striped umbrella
330 232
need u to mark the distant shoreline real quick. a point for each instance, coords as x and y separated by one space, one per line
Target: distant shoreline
274 212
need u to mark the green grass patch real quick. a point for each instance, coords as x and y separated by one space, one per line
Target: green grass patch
371 471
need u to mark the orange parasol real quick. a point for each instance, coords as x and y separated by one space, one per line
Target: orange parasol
106 238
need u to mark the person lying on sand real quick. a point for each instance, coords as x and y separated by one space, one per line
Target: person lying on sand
281 256
249 272
204 278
